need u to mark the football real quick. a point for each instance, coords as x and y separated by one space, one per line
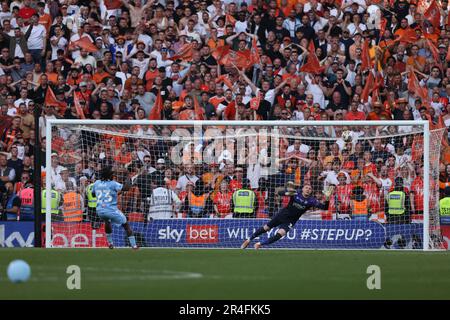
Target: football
347 136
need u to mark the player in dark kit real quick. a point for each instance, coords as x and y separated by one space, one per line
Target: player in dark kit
286 218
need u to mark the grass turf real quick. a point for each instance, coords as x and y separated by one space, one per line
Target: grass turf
227 274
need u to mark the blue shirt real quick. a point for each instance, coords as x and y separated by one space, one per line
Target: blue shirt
106 193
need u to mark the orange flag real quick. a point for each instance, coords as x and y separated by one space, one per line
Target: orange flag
417 148
254 102
433 49
409 36
224 78
85 44
219 52
185 52
433 15
76 101
414 86
366 63
241 59
155 113
199 111
368 87
254 55
229 19
51 101
312 65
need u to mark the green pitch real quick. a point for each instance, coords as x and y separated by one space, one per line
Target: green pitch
227 274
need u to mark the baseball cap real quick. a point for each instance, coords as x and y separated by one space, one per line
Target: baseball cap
83 84
161 161
54 154
442 46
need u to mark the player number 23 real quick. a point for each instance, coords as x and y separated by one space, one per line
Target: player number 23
104 196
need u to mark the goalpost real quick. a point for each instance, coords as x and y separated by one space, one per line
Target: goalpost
204 162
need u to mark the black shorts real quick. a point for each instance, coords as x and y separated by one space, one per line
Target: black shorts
282 221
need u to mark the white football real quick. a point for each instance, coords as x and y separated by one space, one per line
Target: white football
347 136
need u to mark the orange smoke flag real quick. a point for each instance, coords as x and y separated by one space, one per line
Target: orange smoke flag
155 113
365 57
185 53
229 19
368 87
254 102
312 65
433 15
76 101
198 110
224 78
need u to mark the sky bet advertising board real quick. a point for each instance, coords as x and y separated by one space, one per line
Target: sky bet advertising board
224 233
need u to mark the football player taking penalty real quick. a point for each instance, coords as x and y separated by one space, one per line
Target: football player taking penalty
286 218
106 190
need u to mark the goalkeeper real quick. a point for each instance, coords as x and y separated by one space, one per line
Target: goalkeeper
286 218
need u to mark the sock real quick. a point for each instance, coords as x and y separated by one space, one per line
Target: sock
272 239
109 238
132 240
258 232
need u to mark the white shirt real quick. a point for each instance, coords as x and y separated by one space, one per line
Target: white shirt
163 203
386 185
87 60
61 44
37 36
352 28
20 100
183 181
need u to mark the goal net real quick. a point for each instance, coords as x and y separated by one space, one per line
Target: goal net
212 184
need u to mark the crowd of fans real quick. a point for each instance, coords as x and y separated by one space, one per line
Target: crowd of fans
225 60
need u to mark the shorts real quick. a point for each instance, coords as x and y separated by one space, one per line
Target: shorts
282 221
116 217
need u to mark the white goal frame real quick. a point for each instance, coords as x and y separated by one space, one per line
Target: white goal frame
426 148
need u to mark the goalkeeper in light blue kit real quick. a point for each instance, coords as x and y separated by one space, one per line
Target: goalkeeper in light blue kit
106 191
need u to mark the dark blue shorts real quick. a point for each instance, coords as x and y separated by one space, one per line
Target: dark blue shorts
282 221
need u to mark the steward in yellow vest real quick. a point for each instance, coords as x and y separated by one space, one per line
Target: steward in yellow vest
398 204
444 207
244 203
92 207
55 203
